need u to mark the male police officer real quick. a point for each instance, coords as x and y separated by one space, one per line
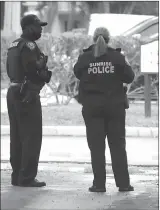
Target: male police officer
28 72
102 71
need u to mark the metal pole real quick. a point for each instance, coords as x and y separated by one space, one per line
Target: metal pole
147 95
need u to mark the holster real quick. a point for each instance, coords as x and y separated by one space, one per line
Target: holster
30 91
24 87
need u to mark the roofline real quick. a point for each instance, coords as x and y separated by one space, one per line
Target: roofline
141 26
150 40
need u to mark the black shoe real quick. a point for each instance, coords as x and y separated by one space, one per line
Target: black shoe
14 178
34 183
14 183
126 189
94 188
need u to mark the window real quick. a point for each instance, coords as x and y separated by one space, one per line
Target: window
76 24
65 25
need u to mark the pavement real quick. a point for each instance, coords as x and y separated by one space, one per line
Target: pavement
66 167
68 190
140 151
148 132
151 132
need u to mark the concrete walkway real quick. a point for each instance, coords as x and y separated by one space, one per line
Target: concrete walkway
69 191
140 151
150 132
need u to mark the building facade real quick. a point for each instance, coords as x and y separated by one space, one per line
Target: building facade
10 17
60 15
57 14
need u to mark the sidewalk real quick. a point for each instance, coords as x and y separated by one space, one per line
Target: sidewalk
151 132
140 151
69 191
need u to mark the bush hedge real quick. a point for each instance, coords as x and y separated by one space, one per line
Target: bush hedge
63 52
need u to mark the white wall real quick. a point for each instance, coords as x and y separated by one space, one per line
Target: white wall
115 23
12 18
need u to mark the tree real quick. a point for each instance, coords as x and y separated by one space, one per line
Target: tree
85 9
135 7
51 12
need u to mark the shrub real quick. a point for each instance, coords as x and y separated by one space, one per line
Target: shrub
5 42
63 52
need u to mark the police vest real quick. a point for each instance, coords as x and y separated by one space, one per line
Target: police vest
14 67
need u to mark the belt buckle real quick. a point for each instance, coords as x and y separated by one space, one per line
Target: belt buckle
15 84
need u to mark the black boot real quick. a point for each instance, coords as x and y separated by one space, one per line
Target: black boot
14 179
126 189
34 183
14 183
95 188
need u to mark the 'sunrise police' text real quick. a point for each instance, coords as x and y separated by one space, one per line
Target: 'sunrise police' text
101 68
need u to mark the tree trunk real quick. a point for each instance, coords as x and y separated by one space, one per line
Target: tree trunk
71 16
129 9
51 14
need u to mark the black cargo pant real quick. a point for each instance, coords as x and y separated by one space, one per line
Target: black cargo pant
25 136
101 121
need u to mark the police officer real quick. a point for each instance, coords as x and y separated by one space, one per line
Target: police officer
28 72
102 71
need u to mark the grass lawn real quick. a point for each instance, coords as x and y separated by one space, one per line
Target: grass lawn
71 115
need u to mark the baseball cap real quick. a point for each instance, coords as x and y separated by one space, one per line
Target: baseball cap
31 19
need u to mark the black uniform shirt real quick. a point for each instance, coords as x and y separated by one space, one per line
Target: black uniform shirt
31 60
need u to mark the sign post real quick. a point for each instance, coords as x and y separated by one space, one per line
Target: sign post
147 95
149 65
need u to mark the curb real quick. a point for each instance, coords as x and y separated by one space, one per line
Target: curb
150 132
74 167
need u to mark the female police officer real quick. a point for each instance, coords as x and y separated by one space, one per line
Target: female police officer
102 71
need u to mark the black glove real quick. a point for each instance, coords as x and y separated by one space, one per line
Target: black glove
45 75
118 49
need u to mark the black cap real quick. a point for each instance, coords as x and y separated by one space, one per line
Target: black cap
31 19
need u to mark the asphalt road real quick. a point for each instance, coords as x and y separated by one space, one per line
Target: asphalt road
67 189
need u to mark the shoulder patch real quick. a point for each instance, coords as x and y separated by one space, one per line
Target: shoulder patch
13 44
30 45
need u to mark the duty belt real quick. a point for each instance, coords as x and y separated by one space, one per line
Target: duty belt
13 84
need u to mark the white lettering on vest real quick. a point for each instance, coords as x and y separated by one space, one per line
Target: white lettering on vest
101 68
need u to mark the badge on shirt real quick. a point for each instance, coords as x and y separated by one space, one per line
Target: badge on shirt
30 45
